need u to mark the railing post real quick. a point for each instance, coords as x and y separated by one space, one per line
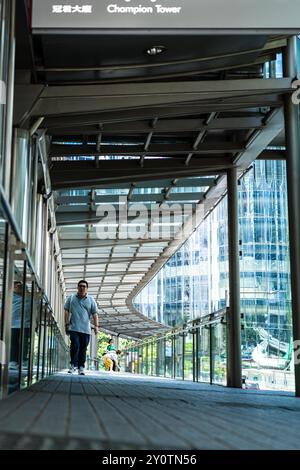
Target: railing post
174 356
183 354
292 133
234 363
194 354
211 363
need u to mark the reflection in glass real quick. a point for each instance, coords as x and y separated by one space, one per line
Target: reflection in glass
194 282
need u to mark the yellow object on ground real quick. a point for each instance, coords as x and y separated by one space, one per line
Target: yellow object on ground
108 363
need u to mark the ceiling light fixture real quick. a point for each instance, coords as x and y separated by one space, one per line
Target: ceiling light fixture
155 50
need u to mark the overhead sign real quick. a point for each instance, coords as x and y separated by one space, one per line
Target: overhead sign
256 15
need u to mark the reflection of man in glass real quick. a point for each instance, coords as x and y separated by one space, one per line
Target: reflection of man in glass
16 323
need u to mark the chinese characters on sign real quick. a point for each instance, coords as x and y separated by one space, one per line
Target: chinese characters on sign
72 9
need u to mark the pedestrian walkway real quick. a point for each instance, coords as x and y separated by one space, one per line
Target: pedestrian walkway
120 411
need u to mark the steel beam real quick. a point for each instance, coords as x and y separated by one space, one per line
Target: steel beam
65 218
150 113
260 140
165 126
114 199
69 276
209 148
215 88
292 132
78 175
98 243
100 261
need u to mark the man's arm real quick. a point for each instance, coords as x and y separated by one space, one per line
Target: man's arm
67 319
95 318
67 313
95 315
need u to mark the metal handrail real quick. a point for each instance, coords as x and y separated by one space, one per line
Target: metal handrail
206 320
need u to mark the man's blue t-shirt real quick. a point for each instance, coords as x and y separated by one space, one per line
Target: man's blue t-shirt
81 309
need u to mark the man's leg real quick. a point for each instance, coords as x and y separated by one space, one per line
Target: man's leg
84 342
75 347
117 367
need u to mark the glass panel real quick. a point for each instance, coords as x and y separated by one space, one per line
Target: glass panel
21 184
161 357
145 359
42 341
188 357
27 329
46 323
204 355
151 358
168 357
265 278
219 353
18 311
140 359
3 226
50 344
2 274
4 69
37 315
194 282
178 356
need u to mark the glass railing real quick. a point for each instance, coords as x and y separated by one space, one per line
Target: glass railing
33 345
195 352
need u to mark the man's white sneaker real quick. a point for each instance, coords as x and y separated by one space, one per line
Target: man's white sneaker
81 371
71 370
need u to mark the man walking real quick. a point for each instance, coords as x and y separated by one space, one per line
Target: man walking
78 310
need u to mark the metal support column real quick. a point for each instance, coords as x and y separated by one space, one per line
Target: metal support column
292 134
234 363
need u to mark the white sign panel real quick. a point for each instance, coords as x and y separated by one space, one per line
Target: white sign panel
255 15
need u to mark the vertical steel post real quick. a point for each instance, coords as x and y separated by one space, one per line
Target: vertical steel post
234 363
147 359
211 361
292 135
39 340
31 335
197 353
44 357
10 243
165 357
174 356
194 354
